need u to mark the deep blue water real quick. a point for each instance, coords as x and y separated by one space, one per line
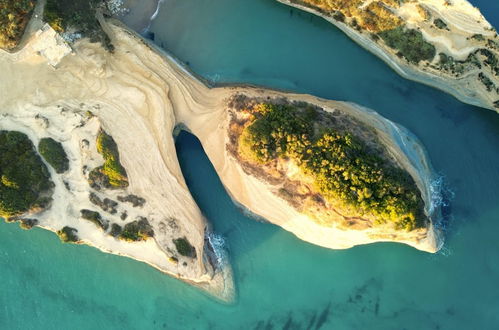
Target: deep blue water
284 282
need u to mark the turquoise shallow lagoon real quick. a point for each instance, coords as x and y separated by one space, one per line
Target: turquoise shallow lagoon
284 283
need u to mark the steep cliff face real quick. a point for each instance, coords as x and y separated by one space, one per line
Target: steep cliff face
446 44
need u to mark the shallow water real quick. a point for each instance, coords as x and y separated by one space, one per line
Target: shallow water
284 282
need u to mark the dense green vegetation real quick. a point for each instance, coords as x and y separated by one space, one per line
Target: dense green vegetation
68 235
139 230
184 247
24 179
78 15
112 174
53 152
410 44
343 168
106 204
14 16
491 60
115 230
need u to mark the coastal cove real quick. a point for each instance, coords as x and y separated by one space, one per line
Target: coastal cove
282 281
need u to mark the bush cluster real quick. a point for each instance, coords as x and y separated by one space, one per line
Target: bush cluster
410 44
95 218
344 170
486 82
112 174
68 235
24 179
138 230
53 152
184 248
439 23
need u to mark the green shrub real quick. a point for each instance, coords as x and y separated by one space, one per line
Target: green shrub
53 152
95 218
344 170
68 235
410 43
184 248
112 174
440 24
339 16
139 230
115 230
28 224
478 37
24 179
486 82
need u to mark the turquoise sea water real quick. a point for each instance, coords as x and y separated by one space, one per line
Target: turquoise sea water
284 283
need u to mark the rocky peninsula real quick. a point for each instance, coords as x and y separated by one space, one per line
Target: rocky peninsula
279 188
95 119
446 44
96 129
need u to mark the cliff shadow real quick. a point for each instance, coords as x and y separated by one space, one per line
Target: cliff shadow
242 230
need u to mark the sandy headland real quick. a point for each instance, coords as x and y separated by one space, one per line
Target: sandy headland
92 90
138 95
262 199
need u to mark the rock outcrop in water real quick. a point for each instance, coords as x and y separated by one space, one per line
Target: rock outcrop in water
445 44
